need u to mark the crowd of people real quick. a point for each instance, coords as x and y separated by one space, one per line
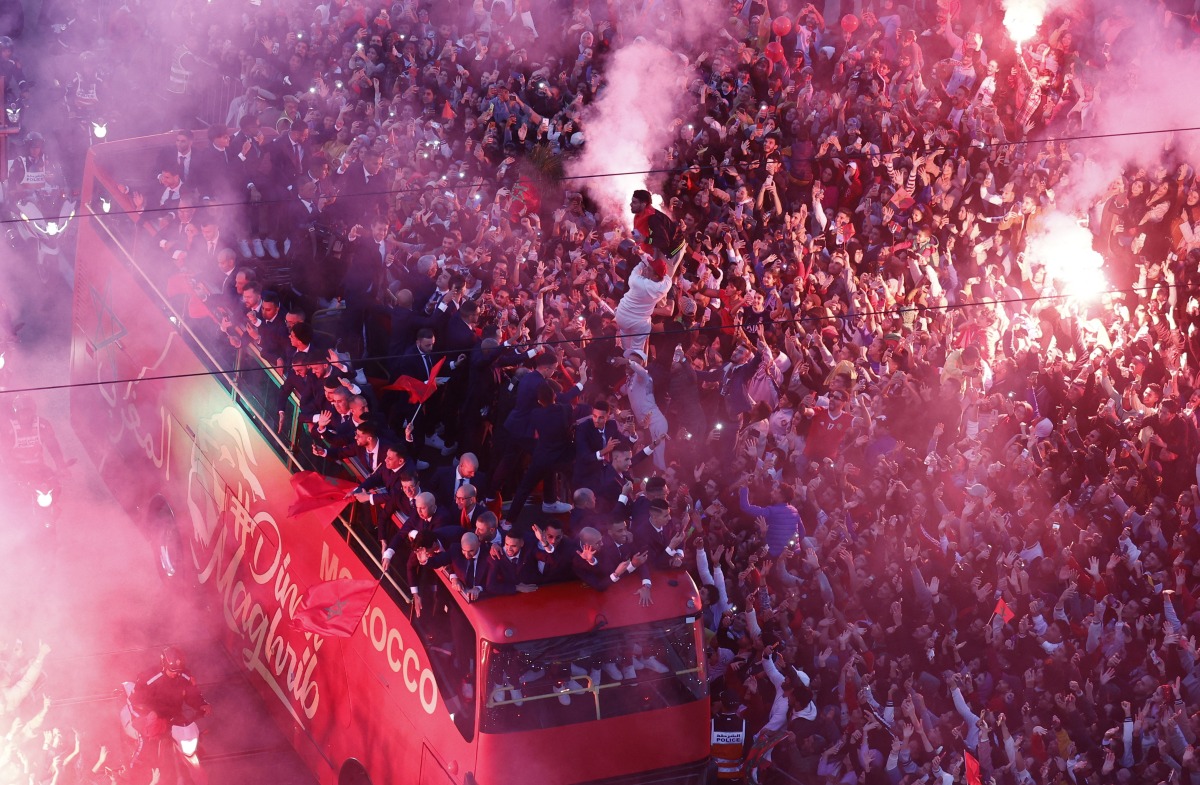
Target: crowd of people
29 752
944 514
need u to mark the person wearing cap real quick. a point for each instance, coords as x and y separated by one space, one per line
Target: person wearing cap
651 279
729 739
32 171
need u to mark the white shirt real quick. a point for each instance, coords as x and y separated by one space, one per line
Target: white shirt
644 293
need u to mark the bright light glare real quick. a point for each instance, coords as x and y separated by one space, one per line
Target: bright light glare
45 498
105 204
100 130
1022 18
52 228
1 360
1064 248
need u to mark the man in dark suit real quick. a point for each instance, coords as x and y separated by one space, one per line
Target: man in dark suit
427 556
459 341
382 491
165 192
517 436
447 479
426 517
217 172
366 448
308 388
270 335
555 552
584 512
180 155
470 568
405 324
337 426
418 363
482 389
289 157
734 378
657 537
601 564
363 186
460 329
595 438
552 448
514 569
466 501
614 488
369 258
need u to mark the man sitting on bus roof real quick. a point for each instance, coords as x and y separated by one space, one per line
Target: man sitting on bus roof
514 569
487 528
600 564
469 568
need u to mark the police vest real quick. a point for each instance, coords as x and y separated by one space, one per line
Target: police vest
728 743
27 444
33 177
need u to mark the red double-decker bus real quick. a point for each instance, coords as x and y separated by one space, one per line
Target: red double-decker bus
186 440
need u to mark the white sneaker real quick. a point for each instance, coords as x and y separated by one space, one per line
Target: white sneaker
259 251
244 247
653 664
595 677
272 248
629 674
558 508
498 693
565 692
529 676
577 671
517 696
434 441
638 664
422 465
468 691
613 672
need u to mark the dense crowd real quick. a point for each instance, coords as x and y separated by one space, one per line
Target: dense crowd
29 751
944 514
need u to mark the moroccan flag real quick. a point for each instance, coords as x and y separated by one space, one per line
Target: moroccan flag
418 391
1003 611
334 607
315 491
972 765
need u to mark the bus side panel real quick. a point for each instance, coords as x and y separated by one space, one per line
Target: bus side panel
185 439
608 749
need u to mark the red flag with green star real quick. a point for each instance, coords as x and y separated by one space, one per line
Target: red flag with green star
334 607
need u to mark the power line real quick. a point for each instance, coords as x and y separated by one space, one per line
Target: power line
527 345
455 186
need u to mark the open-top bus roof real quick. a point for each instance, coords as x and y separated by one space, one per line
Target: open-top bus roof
572 607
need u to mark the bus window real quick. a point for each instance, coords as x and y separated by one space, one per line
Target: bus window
560 681
452 646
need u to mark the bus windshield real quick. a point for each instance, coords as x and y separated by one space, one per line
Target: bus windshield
559 681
